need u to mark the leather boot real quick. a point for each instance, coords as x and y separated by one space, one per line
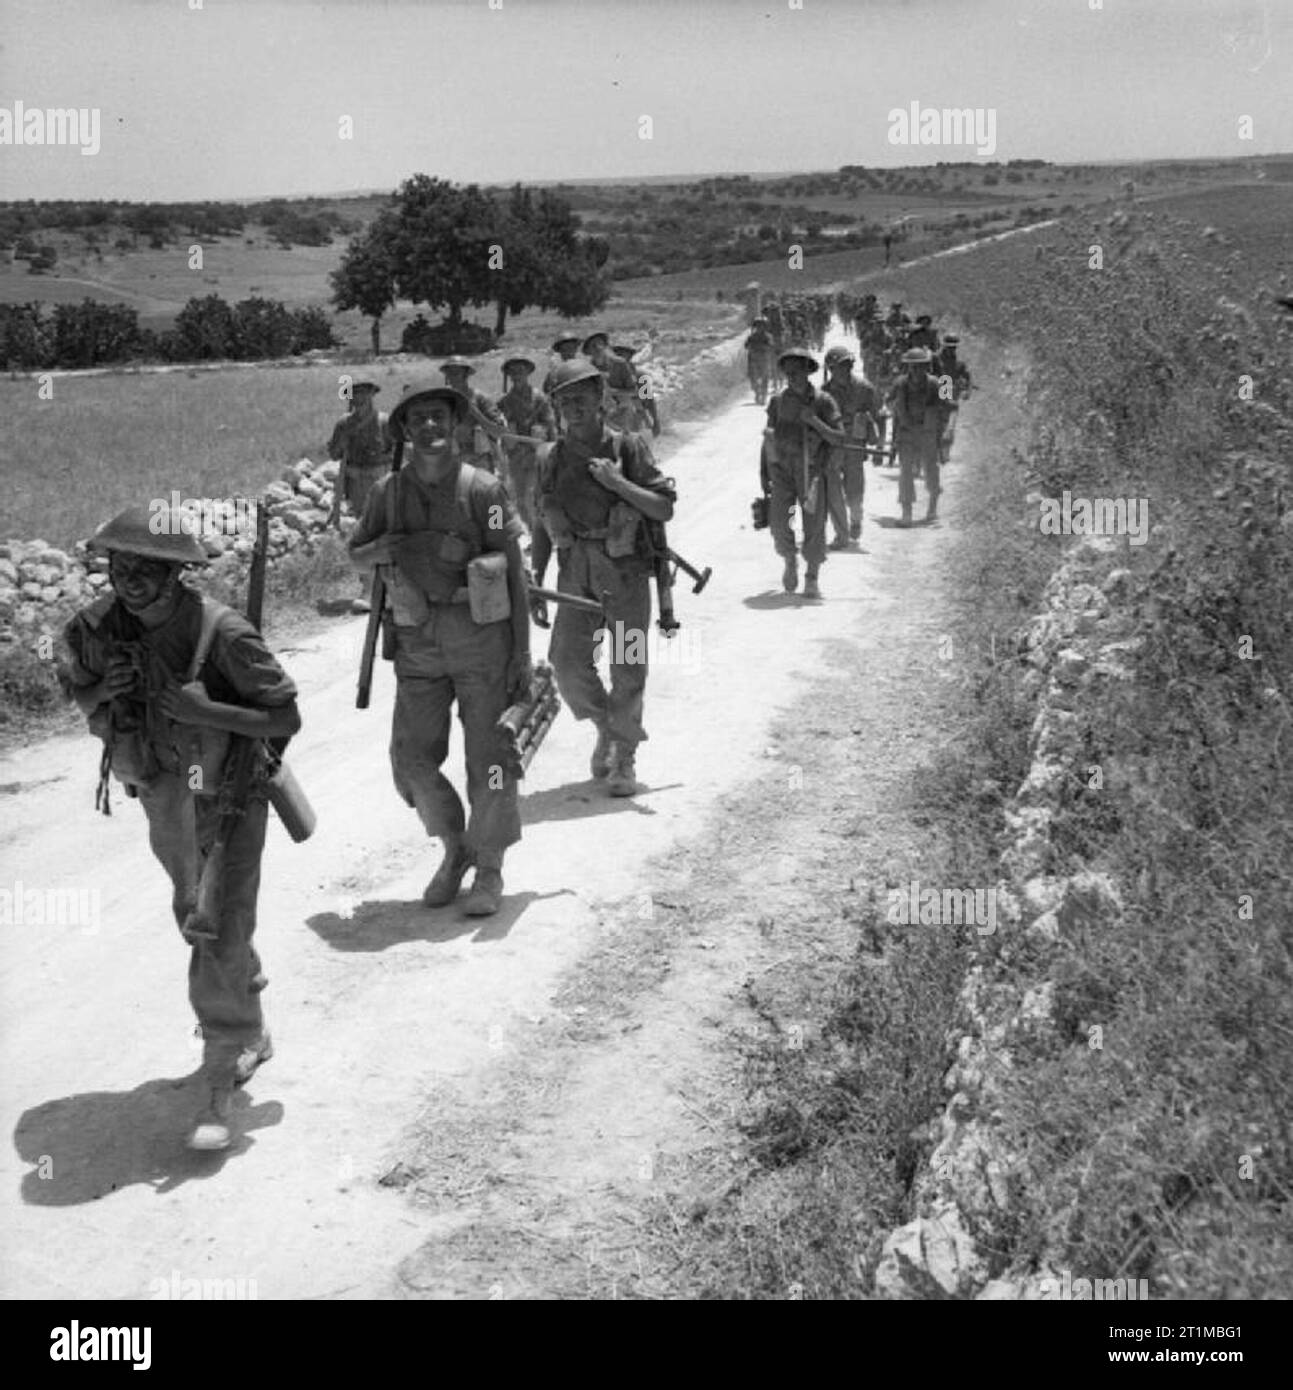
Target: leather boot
623 778
212 1130
790 575
600 763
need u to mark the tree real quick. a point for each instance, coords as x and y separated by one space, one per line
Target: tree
440 239
365 279
546 263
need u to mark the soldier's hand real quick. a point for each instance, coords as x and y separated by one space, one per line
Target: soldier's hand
119 677
539 611
520 672
185 704
608 472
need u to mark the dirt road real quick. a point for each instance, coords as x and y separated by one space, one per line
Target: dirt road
378 1006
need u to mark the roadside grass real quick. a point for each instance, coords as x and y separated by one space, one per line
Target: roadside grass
1167 1153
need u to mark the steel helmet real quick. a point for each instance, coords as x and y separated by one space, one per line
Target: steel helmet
434 393
838 354
572 373
154 532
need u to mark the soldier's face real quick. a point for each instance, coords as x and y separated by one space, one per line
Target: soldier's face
428 426
568 351
581 405
795 371
456 378
136 580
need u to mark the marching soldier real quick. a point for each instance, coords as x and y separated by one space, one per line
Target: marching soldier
450 539
475 448
567 349
166 678
797 456
625 401
919 414
362 443
645 404
954 381
758 358
527 412
597 489
859 404
924 334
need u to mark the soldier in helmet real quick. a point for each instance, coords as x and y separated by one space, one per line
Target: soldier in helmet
168 680
567 349
859 404
955 385
427 524
526 412
919 417
924 334
803 423
758 358
596 490
473 445
362 443
627 402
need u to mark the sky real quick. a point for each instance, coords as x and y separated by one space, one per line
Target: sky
240 99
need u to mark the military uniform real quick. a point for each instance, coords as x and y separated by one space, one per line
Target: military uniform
176 771
919 415
442 655
798 475
758 350
948 364
362 442
527 412
603 554
859 404
474 445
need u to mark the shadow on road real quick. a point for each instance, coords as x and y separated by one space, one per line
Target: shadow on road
575 800
375 925
86 1146
894 523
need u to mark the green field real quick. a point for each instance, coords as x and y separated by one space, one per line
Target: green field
105 441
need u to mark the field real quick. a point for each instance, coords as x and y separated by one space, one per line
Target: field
105 441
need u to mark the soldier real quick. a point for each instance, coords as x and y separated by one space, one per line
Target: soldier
797 457
473 446
954 382
526 412
924 334
596 489
919 414
758 358
567 349
859 404
362 444
165 678
625 401
428 523
647 413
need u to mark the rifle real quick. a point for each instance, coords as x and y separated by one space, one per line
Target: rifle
378 623
525 724
662 557
203 922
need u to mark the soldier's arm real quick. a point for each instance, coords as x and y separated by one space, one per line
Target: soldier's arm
370 544
641 483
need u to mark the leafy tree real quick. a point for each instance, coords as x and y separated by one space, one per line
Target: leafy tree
91 333
205 329
440 241
365 279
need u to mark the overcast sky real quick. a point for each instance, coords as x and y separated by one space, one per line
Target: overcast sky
245 98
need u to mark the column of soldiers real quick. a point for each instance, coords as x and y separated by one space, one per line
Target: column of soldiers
179 688
817 439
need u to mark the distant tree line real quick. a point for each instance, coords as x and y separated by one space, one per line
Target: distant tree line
290 221
93 334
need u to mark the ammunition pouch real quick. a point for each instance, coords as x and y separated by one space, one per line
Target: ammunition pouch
487 593
622 530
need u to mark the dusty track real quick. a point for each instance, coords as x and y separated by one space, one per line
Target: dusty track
377 1005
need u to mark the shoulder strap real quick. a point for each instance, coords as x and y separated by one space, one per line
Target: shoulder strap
212 612
390 500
